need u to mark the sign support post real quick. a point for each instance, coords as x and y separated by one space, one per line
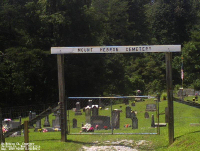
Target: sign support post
168 57
61 86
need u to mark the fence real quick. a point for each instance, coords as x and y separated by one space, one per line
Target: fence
112 115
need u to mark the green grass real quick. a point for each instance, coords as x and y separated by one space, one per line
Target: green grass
186 136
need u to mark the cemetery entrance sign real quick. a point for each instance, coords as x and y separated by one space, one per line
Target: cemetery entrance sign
167 49
115 49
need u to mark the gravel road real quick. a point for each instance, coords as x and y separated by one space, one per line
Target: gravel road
121 145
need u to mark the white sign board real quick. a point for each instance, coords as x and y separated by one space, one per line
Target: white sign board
116 49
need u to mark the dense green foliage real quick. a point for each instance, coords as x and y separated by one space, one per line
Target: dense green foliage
28 29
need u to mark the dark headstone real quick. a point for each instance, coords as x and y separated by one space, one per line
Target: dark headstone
134 123
74 123
46 122
38 125
116 119
133 115
101 121
133 104
95 110
146 115
14 124
126 101
152 121
128 112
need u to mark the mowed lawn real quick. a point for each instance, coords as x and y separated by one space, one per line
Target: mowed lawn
186 136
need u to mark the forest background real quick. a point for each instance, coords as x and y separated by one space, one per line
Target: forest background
28 29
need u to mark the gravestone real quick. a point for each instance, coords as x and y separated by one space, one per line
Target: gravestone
128 112
95 110
30 118
87 114
116 119
134 123
101 121
14 124
90 103
57 120
146 115
126 101
151 107
132 114
78 107
53 123
133 104
134 120
152 121
138 99
166 115
32 115
186 92
46 122
38 125
74 123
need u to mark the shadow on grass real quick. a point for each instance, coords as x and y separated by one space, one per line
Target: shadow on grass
53 139
186 134
68 141
80 142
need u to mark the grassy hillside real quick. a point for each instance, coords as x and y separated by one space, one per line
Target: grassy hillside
186 136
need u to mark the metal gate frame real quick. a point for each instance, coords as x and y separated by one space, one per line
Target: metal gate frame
118 97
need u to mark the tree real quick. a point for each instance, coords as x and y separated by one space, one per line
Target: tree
171 22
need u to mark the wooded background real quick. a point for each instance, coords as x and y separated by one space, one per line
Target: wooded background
28 29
